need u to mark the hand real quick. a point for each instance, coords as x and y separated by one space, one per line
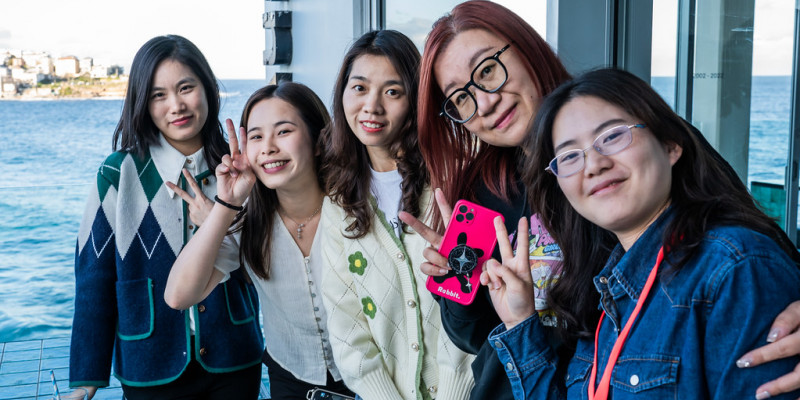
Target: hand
784 339
437 263
510 283
91 390
235 178
199 205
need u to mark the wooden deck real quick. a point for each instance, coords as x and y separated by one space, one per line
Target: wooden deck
25 371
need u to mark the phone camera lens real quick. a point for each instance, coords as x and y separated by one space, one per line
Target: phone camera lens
470 216
462 208
459 218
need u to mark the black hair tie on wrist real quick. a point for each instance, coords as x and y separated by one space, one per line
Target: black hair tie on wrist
229 205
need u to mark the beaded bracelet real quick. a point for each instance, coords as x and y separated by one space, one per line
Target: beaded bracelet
229 205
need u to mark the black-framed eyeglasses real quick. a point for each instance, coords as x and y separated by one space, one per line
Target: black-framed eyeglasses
488 76
607 143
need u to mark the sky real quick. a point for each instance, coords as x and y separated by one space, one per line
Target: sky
232 39
228 33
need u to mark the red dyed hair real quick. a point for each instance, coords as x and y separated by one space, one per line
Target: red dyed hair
456 158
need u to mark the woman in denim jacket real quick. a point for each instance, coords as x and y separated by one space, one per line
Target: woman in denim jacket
625 171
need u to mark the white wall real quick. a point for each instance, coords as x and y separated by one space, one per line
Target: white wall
322 30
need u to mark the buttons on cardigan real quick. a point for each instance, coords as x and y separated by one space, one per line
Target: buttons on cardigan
400 256
509 367
604 280
415 346
201 308
411 303
203 351
634 380
498 344
205 181
432 389
191 227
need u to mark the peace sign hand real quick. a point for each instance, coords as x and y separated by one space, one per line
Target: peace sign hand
235 178
510 283
436 264
199 205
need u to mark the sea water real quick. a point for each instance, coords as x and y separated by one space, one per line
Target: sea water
49 154
50 151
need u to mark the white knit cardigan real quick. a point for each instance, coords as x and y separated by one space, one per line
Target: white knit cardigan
385 327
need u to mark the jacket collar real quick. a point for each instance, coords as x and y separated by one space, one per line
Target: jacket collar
169 162
627 272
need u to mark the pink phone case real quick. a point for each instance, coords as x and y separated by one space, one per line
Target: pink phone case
468 242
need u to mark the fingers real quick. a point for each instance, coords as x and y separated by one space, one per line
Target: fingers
785 347
784 384
787 321
437 261
193 184
503 243
522 243
444 207
493 271
430 235
233 141
430 269
243 140
180 192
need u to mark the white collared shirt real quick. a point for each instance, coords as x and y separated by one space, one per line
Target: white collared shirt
294 318
169 163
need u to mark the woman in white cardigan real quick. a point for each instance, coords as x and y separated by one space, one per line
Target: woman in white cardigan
385 328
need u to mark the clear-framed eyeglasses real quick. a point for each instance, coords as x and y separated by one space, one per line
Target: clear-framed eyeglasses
488 76
607 143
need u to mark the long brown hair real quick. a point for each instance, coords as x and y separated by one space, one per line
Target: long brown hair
257 219
346 162
457 159
705 193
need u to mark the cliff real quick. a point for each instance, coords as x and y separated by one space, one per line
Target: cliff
113 88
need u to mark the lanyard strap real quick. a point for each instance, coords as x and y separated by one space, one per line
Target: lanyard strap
602 391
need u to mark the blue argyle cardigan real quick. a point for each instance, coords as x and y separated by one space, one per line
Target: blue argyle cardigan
130 236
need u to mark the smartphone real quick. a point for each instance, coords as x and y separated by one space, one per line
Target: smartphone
322 394
467 243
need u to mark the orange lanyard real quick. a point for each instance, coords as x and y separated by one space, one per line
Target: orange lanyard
605 381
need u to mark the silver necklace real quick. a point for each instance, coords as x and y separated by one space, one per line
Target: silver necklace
302 225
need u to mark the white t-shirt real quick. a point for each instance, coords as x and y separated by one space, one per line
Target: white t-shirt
386 187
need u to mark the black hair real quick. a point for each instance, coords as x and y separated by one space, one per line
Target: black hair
136 131
705 193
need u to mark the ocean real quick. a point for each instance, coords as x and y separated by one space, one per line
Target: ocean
51 150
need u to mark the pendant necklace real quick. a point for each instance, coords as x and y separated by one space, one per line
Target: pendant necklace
302 225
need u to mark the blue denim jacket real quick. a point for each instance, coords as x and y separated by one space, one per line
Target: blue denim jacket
695 325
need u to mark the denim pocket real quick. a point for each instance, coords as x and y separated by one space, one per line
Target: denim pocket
655 373
577 371
135 306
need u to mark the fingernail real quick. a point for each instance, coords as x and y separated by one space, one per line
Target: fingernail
442 271
743 363
763 395
773 335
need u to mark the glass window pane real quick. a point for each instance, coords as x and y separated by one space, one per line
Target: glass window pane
770 109
663 61
415 17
